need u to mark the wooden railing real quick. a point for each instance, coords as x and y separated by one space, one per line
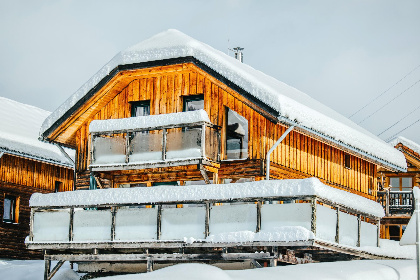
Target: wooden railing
396 202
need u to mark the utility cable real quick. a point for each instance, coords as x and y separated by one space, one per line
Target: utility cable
415 109
380 108
376 98
396 134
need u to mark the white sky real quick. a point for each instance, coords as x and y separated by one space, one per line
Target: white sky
343 53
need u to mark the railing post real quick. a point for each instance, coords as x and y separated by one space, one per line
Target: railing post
259 205
207 220
337 227
71 224
92 148
359 228
164 144
113 214
159 222
387 202
203 140
127 147
378 232
313 215
47 268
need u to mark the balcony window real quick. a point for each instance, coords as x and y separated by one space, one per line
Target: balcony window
183 143
140 108
146 147
193 102
236 136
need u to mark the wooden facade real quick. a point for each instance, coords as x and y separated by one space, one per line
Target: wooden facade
20 177
298 156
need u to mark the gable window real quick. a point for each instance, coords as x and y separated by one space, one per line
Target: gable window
236 135
140 108
58 186
347 161
10 209
193 103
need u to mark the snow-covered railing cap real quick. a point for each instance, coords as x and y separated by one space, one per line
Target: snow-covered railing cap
149 122
293 188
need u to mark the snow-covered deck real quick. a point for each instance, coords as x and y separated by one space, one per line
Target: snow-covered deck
279 213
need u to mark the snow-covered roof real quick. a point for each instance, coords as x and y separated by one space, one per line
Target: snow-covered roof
406 142
175 194
146 122
19 131
291 104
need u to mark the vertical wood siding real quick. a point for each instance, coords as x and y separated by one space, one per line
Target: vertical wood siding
297 153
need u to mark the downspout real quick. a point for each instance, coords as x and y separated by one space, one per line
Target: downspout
71 161
267 157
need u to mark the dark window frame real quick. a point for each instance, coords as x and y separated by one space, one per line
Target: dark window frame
187 98
135 104
13 208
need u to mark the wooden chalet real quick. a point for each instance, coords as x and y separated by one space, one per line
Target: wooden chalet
174 111
26 166
396 194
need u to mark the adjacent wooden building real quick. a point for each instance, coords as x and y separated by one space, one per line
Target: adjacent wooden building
396 190
26 166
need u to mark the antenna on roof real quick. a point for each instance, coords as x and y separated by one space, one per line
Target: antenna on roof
239 55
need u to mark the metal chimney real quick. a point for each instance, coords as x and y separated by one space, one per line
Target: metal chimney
238 54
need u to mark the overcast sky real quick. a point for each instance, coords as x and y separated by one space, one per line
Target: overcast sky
343 53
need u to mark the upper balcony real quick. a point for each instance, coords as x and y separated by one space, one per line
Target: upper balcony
154 141
396 202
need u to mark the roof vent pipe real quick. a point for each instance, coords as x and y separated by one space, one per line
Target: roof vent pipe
239 54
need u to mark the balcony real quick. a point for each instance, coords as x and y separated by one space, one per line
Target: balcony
396 202
154 141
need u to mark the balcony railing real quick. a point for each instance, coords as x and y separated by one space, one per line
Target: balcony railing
158 146
396 202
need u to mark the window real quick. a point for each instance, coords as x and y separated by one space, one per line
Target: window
193 103
140 108
10 209
347 161
401 183
58 187
236 135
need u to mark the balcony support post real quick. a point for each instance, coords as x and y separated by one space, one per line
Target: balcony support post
259 205
337 226
113 214
163 144
203 141
127 147
159 222
71 224
207 220
313 215
204 174
359 229
31 225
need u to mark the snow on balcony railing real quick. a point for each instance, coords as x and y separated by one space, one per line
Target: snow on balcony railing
283 210
153 139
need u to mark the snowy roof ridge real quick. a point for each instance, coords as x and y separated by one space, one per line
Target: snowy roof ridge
258 189
406 142
19 127
151 121
289 102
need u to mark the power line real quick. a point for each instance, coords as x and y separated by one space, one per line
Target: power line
415 109
396 134
380 108
376 98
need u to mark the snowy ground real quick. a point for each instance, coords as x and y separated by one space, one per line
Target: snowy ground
351 270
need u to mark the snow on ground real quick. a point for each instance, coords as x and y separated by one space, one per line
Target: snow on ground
32 270
272 188
406 142
345 270
292 104
19 131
